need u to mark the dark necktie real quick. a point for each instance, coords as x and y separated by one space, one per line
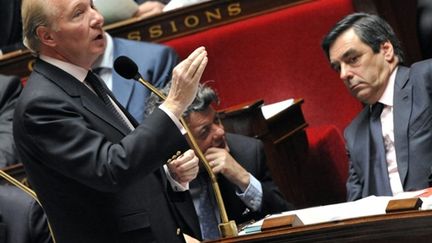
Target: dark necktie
206 211
95 82
379 178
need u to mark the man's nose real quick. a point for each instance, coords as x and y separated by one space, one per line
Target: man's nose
219 130
97 19
343 73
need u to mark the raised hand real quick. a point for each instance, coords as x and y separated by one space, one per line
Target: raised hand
185 79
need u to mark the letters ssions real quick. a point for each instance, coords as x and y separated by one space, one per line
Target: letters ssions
186 23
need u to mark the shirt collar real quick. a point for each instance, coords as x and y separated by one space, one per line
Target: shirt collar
106 60
387 97
74 70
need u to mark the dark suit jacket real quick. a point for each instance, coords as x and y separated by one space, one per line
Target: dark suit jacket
89 172
10 89
249 152
10 25
24 218
155 63
412 133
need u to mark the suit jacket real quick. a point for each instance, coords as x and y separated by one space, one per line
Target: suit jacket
24 218
89 172
249 152
412 134
10 25
10 89
155 63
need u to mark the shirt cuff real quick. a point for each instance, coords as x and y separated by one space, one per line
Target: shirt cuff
173 118
252 196
177 187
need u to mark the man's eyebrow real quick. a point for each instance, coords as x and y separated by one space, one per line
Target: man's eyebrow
349 53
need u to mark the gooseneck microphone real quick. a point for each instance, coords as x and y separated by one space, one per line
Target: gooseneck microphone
128 69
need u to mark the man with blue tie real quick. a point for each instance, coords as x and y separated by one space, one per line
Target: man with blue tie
389 142
244 179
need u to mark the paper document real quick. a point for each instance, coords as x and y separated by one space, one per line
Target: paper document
364 207
114 10
368 206
272 109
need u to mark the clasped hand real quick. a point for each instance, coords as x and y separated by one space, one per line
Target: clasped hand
221 161
185 168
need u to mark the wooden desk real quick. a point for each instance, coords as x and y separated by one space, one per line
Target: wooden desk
284 139
402 227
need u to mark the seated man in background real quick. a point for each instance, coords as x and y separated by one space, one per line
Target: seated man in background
24 219
245 182
389 142
155 63
10 26
10 89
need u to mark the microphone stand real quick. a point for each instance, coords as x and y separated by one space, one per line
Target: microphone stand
227 227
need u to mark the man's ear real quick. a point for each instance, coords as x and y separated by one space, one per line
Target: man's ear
387 49
44 35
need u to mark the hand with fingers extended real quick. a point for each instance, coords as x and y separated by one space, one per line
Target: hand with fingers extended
221 161
185 79
185 168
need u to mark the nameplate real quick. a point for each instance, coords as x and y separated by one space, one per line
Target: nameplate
283 221
400 205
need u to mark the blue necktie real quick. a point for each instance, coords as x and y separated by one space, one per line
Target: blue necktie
206 211
379 183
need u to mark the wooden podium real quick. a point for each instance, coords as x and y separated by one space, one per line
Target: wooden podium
414 226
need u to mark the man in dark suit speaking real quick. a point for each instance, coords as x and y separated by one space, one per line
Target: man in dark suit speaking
90 164
240 163
389 142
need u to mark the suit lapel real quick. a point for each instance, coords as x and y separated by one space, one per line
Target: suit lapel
402 103
361 146
182 205
75 88
186 210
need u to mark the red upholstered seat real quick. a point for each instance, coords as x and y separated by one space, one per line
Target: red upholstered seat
325 171
276 56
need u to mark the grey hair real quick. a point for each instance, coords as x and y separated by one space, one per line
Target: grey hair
204 98
35 13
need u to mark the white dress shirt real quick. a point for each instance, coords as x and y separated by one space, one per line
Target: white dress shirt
388 135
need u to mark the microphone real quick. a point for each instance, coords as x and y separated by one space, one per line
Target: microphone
128 69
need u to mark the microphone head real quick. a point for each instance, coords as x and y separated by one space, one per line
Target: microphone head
126 68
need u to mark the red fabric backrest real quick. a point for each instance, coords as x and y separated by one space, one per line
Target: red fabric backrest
278 56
